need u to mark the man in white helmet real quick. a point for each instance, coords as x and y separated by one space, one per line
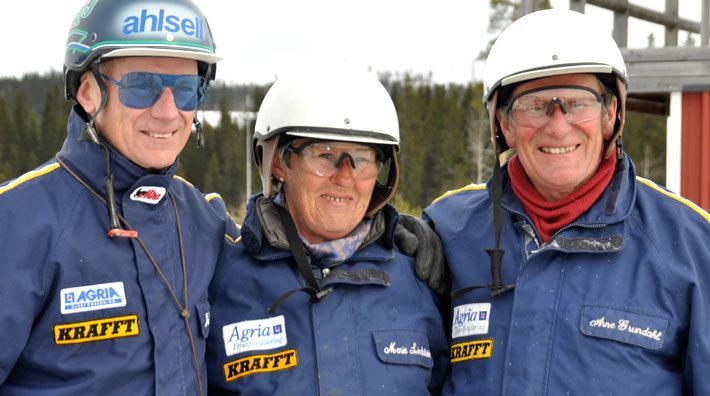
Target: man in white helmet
604 287
314 298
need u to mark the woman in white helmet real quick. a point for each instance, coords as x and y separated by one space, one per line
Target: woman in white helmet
314 298
604 287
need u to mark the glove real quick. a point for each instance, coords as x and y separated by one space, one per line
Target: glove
415 238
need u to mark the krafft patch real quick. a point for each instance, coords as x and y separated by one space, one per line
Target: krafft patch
470 350
96 330
148 194
260 364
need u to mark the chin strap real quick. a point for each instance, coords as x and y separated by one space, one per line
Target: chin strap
495 254
91 134
312 288
115 228
199 134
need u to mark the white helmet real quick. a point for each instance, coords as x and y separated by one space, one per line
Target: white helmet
547 43
338 104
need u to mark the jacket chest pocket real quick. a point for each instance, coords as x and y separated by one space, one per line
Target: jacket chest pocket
203 315
646 331
406 347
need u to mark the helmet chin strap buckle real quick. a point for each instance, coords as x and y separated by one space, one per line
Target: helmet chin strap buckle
199 134
89 133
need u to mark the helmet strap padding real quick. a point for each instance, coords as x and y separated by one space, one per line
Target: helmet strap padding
615 140
102 88
206 70
497 138
383 193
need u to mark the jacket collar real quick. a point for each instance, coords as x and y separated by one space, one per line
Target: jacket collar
264 237
87 159
613 206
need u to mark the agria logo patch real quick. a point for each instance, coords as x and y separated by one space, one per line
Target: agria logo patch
254 335
148 194
92 297
249 365
96 330
470 319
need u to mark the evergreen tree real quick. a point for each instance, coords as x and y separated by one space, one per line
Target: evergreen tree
445 138
213 173
229 144
53 123
5 130
24 139
645 142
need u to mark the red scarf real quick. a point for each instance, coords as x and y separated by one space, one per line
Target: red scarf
550 216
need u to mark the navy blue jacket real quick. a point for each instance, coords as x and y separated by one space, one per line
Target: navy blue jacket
379 331
87 314
618 302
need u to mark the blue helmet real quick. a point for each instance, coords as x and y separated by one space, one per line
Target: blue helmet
105 29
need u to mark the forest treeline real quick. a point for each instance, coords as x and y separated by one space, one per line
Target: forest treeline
443 127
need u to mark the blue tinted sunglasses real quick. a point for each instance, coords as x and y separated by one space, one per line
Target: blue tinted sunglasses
140 90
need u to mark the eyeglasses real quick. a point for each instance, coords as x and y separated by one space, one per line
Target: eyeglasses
533 108
140 90
325 158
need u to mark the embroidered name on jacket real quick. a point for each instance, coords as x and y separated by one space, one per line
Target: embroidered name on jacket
260 364
630 327
254 335
470 319
413 349
92 297
96 330
402 346
476 349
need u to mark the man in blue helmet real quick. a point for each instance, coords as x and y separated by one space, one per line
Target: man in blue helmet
106 254
604 287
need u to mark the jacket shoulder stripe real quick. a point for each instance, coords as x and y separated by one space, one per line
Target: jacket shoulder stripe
211 196
470 187
675 196
208 197
29 176
182 179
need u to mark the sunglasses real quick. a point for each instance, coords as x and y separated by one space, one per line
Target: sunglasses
325 158
140 90
534 108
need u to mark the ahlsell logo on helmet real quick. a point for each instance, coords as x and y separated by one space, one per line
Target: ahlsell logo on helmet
162 21
148 194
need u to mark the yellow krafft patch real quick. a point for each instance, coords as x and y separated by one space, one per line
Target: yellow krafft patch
260 364
96 330
469 350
